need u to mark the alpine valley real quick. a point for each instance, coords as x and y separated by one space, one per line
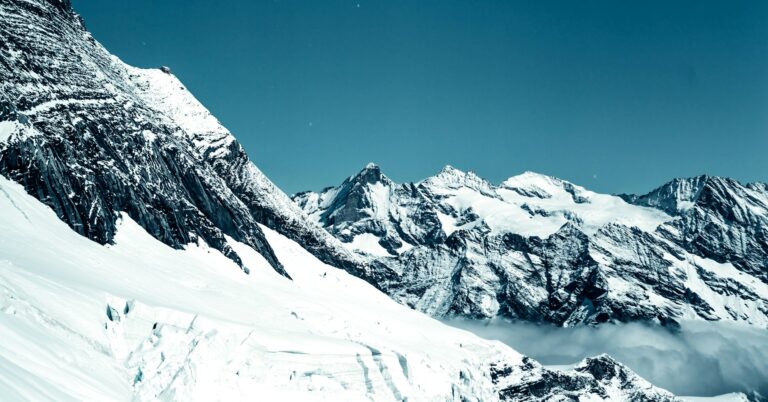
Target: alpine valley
143 256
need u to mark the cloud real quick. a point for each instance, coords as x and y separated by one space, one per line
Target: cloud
700 359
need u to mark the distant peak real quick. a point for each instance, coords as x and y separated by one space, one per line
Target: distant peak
450 177
529 178
534 175
370 168
693 180
532 184
449 169
678 195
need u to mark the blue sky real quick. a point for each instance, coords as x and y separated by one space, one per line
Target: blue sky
617 96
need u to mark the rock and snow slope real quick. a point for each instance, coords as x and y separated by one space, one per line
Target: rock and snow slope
138 319
539 248
92 137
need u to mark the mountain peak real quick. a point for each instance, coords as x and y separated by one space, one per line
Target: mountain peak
529 177
682 194
448 173
536 184
448 169
450 177
370 173
675 196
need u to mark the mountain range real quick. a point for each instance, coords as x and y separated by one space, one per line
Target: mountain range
541 249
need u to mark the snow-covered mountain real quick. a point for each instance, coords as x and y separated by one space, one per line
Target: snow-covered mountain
144 257
539 248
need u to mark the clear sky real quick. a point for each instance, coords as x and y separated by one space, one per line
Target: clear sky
617 96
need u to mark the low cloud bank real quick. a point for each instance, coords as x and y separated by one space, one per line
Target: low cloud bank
701 359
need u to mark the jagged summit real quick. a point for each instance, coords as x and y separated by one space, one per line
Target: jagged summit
681 194
675 196
450 170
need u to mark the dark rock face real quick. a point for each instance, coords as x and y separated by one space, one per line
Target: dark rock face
692 248
92 138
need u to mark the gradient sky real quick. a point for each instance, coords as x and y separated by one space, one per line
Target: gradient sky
617 96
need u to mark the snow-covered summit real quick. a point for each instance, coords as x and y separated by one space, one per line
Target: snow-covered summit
676 196
370 174
450 177
534 184
370 213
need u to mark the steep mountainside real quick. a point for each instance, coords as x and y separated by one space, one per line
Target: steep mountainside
542 249
90 137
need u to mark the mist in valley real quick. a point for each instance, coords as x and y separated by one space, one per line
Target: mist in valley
698 359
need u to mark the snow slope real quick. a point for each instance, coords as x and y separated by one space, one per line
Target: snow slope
216 330
139 319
